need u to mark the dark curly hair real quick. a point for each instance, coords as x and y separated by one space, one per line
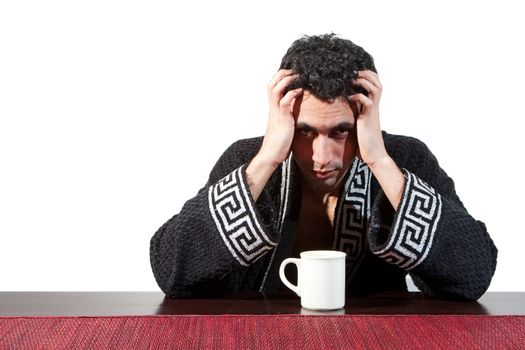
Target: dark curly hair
326 65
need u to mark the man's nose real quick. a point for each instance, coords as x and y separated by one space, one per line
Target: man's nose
321 151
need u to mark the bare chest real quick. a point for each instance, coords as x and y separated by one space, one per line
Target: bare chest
315 227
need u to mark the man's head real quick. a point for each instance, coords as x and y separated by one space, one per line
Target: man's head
326 65
325 141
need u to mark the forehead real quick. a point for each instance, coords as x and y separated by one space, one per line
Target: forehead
320 114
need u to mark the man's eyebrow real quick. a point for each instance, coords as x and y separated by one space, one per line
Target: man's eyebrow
341 126
304 126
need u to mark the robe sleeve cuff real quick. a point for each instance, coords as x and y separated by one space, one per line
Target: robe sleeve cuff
407 240
237 220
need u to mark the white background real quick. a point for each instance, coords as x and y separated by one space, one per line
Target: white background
113 112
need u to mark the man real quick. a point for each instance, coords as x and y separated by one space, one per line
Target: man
325 177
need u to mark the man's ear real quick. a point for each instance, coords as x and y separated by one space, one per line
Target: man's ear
356 108
295 105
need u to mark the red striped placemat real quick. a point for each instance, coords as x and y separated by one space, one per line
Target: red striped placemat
263 331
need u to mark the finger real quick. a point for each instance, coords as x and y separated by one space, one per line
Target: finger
362 99
367 85
288 98
281 73
371 76
277 92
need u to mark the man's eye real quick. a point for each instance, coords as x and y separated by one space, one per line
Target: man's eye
306 132
340 134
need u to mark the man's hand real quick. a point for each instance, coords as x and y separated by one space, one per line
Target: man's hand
372 149
281 125
370 141
279 132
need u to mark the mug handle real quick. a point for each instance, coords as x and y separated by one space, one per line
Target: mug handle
287 283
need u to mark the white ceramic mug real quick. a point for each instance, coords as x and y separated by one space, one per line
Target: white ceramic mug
320 279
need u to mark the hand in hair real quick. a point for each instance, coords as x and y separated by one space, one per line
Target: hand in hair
370 140
279 132
369 137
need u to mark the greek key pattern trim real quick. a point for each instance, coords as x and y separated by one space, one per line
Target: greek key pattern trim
235 219
415 226
352 217
283 208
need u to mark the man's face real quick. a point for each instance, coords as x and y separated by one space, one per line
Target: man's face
325 141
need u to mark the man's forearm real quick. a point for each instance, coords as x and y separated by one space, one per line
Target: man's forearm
257 173
390 178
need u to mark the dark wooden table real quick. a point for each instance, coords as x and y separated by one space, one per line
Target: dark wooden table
155 303
149 320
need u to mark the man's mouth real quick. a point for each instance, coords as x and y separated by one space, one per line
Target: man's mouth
324 174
